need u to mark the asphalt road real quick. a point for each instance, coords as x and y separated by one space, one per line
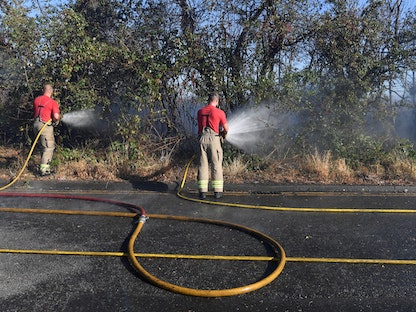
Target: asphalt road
310 280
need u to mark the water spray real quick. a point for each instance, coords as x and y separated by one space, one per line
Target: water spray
259 130
263 130
80 119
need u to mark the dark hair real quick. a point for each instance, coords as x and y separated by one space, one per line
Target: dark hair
213 96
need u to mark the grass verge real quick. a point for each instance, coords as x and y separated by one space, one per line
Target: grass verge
111 165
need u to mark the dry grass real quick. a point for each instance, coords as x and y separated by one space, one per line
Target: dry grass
314 168
341 172
323 168
236 168
318 165
86 170
400 167
10 162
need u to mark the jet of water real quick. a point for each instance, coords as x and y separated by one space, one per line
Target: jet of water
259 130
80 119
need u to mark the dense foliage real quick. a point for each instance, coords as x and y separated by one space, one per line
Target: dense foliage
146 65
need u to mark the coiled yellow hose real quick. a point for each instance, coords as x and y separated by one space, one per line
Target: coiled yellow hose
279 256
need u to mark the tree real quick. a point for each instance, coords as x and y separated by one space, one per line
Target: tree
18 33
356 52
143 62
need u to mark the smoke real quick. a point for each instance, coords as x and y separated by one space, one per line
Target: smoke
405 125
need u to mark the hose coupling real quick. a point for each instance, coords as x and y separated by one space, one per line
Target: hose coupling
143 219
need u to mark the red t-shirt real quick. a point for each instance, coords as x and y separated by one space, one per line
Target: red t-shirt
211 116
45 107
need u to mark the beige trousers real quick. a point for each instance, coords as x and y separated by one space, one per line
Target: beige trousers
210 152
47 140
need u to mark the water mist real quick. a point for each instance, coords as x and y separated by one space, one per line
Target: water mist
261 130
80 119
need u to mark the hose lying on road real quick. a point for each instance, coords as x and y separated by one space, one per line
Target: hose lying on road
280 256
278 259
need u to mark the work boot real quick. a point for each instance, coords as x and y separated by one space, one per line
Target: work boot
217 195
45 170
202 195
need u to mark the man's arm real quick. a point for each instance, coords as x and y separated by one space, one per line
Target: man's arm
56 117
56 113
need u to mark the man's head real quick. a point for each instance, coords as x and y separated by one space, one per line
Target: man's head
48 90
213 99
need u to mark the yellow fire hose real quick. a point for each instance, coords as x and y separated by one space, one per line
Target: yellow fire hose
28 157
280 256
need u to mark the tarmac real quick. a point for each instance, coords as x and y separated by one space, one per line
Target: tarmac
348 248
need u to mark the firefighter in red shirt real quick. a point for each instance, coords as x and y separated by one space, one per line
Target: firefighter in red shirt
46 110
212 125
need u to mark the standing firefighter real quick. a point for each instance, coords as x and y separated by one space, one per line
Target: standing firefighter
46 110
212 126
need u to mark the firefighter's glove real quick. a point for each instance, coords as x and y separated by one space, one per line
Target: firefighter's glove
223 134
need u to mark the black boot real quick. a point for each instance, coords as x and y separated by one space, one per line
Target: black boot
217 195
202 195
